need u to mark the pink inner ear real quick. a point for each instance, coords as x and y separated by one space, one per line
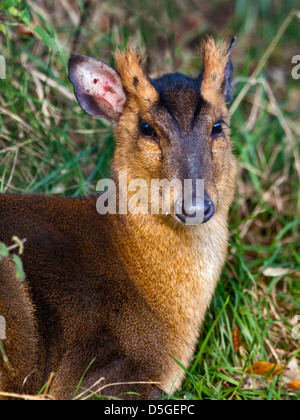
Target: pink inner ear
98 87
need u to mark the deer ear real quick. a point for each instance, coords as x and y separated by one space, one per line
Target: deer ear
226 86
98 87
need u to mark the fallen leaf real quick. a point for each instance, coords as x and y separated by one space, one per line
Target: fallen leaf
276 271
295 385
269 370
292 372
24 30
236 339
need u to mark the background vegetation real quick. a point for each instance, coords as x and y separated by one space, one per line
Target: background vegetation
48 145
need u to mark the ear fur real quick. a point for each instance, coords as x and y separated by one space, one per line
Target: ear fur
135 82
217 70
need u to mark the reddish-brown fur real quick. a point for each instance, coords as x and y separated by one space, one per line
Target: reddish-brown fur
122 294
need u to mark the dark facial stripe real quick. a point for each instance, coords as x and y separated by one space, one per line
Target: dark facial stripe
180 96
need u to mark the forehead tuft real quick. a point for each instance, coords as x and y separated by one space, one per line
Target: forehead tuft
176 82
179 94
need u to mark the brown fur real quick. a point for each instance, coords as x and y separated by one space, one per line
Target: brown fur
125 292
215 58
19 374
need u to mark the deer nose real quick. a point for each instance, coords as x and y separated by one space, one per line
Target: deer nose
209 209
194 213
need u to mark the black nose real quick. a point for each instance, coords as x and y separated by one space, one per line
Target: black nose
209 209
190 212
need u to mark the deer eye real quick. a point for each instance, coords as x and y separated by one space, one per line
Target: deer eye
146 129
217 129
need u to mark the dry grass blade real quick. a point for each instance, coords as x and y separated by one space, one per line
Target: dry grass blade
4 111
14 396
96 389
264 59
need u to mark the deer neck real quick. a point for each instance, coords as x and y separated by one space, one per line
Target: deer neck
172 263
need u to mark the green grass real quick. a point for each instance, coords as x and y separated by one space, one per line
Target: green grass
48 145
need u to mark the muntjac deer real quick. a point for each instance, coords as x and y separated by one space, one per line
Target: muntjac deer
123 296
